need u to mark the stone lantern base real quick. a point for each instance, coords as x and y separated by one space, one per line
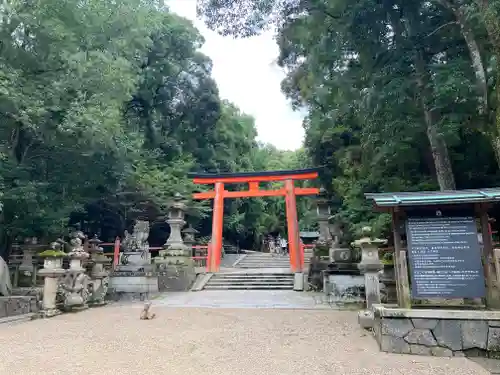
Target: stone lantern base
175 267
134 279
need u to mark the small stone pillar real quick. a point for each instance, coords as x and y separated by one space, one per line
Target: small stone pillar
99 276
370 266
175 264
51 272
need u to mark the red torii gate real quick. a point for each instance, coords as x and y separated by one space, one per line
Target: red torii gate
253 179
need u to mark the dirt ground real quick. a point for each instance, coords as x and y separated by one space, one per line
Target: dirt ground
204 341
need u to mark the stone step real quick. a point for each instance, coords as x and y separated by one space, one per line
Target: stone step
18 318
252 276
264 266
254 282
265 261
240 281
248 287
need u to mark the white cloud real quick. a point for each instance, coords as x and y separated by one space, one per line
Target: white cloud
246 74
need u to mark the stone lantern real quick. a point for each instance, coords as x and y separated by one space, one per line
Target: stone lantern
176 214
28 268
51 272
370 266
189 237
175 264
99 276
323 211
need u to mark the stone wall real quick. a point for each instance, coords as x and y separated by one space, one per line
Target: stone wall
442 333
17 305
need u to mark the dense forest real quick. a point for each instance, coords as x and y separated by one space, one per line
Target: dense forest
106 105
104 108
401 95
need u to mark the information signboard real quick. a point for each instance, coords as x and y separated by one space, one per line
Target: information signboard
444 256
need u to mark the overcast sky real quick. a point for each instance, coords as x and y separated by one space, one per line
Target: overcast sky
247 76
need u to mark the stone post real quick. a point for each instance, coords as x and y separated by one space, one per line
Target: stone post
27 268
51 272
99 276
175 263
370 266
323 211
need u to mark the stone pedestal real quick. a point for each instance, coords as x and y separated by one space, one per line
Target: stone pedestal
134 277
370 266
51 272
298 281
175 266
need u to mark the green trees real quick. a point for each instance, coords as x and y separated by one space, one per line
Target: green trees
104 108
401 95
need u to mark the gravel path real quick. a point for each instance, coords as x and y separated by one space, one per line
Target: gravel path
188 341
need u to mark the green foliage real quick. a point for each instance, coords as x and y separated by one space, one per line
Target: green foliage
394 91
105 107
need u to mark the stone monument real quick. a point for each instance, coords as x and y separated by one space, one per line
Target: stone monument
175 265
370 266
134 275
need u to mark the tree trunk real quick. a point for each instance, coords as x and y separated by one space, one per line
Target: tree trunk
439 149
492 127
474 51
491 19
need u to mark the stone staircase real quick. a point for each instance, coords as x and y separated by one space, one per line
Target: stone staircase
250 281
256 271
264 260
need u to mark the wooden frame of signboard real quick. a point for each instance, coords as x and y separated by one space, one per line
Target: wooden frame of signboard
398 205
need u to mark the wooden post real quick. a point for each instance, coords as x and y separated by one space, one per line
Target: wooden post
209 257
397 249
492 296
293 227
404 280
116 252
217 218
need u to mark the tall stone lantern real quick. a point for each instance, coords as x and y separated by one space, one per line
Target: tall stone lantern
370 266
99 276
323 211
52 272
175 265
175 220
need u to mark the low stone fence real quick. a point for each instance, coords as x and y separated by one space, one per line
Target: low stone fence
440 333
18 305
